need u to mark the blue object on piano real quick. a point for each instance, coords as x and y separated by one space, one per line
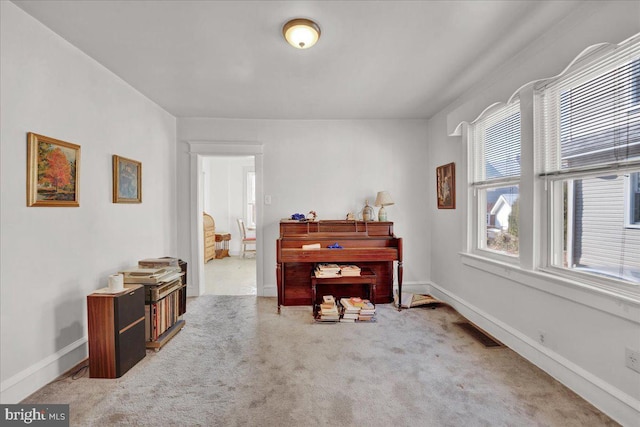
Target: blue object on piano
334 246
298 217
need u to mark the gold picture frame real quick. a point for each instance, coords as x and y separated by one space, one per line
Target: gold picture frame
446 186
53 172
127 180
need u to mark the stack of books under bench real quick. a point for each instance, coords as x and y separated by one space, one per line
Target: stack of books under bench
346 310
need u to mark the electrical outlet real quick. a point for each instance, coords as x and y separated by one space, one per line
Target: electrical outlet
542 337
267 199
633 359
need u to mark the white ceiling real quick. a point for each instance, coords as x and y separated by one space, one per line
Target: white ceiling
227 59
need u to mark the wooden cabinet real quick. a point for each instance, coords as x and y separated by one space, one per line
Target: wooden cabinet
116 331
209 237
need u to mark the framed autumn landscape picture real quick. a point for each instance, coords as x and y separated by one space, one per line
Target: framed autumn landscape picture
53 172
127 180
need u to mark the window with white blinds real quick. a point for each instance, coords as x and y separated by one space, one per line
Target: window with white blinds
495 156
589 156
592 118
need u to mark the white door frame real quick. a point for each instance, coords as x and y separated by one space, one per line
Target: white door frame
197 151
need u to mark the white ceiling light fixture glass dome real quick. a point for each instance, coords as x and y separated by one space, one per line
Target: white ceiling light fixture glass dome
301 33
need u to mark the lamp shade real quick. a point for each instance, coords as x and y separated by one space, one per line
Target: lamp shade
383 199
301 33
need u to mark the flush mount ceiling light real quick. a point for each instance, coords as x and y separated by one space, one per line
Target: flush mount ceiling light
301 33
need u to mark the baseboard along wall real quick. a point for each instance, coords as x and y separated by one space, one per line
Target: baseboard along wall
36 376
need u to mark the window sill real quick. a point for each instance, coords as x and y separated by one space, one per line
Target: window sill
621 303
496 256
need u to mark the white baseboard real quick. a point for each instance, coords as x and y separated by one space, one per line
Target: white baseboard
612 401
415 287
36 376
270 291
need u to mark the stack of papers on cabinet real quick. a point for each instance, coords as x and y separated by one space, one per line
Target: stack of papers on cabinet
151 275
158 262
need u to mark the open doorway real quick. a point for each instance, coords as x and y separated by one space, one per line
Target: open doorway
229 198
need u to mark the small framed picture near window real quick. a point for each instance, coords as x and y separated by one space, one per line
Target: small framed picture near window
446 186
127 180
53 172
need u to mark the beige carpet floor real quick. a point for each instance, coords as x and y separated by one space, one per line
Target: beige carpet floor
238 363
232 275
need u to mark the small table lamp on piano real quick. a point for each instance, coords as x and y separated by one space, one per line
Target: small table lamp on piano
383 199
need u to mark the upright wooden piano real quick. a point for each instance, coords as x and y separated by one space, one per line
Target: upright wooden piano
366 244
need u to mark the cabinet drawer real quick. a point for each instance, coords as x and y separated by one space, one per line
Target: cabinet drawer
130 348
129 308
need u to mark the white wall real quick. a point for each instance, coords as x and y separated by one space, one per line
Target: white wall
585 333
330 166
53 257
224 194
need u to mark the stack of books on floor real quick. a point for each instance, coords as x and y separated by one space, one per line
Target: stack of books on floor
327 270
350 312
367 312
328 310
349 270
359 309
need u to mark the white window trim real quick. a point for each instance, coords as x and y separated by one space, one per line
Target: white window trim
245 202
628 201
554 197
480 232
476 241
